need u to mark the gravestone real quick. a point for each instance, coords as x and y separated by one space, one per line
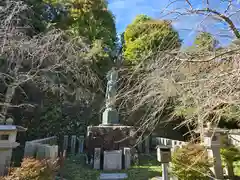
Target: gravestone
112 160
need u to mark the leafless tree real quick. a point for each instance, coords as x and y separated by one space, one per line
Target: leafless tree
201 87
52 61
225 12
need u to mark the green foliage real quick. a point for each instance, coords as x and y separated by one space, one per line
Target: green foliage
237 168
230 154
91 20
230 112
146 35
39 16
76 169
55 121
205 41
32 169
88 18
191 163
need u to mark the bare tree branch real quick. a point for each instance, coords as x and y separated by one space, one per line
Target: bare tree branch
53 61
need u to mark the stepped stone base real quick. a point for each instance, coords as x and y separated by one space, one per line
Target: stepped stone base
110 137
110 141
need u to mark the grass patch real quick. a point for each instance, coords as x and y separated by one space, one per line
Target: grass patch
75 169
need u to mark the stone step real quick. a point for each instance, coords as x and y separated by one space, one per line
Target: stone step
113 176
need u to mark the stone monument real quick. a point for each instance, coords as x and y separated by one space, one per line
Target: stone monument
110 115
108 143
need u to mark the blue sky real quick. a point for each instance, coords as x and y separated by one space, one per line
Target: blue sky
126 10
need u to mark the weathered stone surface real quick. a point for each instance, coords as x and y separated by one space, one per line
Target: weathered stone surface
110 116
97 158
147 144
127 157
112 160
109 137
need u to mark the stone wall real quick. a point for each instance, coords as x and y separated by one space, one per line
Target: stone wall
234 137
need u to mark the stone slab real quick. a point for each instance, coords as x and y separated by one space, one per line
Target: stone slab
112 160
110 116
157 178
97 158
113 176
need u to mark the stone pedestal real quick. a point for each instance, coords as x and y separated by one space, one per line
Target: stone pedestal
111 140
112 160
110 116
109 137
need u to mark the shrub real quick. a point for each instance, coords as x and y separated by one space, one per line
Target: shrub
230 154
191 163
32 169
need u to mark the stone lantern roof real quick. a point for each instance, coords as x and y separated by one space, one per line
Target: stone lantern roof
12 128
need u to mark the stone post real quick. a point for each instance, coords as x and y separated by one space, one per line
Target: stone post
165 171
81 144
164 157
212 140
127 158
139 145
97 158
147 144
65 143
73 144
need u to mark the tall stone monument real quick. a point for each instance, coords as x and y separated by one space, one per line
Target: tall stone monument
107 142
110 115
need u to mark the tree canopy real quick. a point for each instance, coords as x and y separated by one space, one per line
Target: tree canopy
146 35
205 41
87 18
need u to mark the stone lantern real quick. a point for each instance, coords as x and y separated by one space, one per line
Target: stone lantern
212 141
164 157
8 134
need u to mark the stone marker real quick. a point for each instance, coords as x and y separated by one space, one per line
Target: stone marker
112 176
97 158
112 160
147 144
73 144
139 145
81 144
127 158
65 142
110 114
